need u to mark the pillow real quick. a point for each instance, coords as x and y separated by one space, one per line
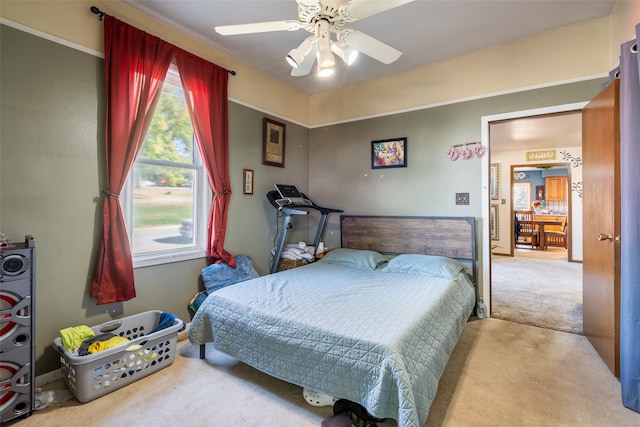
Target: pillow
355 258
217 276
428 265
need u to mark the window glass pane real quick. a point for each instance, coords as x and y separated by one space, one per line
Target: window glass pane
163 208
170 135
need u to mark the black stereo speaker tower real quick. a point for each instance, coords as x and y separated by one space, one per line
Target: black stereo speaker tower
17 330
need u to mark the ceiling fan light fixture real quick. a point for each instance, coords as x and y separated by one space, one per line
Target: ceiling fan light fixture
296 56
325 58
291 60
345 52
325 71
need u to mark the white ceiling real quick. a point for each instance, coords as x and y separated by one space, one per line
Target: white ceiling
426 31
534 133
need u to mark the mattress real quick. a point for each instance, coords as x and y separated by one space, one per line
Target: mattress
374 336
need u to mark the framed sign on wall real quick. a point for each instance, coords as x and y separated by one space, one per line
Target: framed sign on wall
247 175
273 143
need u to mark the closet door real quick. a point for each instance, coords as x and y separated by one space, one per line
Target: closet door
601 224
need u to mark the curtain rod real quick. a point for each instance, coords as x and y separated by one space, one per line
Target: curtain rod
101 14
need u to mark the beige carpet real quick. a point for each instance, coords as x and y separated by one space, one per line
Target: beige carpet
543 292
500 374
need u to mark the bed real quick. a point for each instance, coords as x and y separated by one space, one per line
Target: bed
358 324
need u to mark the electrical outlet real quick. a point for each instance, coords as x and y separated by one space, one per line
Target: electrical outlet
462 198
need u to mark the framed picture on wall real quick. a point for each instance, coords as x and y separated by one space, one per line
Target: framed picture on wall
493 222
273 143
389 153
248 181
494 181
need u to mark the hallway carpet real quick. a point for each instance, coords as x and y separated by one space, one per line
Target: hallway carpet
534 291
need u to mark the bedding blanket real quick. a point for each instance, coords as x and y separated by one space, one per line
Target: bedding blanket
380 339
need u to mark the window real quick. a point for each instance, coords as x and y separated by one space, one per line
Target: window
166 194
522 196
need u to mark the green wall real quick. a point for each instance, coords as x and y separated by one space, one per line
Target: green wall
252 224
51 169
340 174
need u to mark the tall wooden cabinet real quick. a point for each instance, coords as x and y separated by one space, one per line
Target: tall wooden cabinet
556 187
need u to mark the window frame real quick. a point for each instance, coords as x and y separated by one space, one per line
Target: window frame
202 197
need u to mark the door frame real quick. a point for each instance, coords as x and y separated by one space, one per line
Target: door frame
485 284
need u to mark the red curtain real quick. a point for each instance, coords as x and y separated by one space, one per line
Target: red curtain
205 86
136 64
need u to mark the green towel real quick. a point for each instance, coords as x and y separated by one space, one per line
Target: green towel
74 336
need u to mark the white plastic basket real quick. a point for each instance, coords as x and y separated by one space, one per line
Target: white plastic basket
89 377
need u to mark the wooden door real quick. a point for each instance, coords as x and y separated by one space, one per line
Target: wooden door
601 225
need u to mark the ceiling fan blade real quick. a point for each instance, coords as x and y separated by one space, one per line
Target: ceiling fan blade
309 3
307 63
371 47
257 27
358 9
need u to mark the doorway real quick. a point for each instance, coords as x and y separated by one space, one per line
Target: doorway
530 285
543 189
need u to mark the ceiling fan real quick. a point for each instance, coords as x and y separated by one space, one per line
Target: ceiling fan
322 18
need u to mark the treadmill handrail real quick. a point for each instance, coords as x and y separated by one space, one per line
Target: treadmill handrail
272 196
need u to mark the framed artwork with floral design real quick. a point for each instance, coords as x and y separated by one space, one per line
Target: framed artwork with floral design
389 153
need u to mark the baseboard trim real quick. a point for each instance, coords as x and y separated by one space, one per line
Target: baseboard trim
48 378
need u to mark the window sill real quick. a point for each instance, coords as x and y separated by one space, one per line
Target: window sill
167 258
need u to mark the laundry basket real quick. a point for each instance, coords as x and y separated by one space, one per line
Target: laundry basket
89 377
287 264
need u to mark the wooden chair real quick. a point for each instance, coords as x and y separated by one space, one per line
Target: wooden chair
557 238
525 232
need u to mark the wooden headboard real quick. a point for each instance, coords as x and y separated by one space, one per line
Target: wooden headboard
453 237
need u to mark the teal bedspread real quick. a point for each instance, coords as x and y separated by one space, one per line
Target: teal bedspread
378 338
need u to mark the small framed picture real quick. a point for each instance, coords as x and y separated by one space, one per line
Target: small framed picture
248 181
389 153
273 143
493 222
494 185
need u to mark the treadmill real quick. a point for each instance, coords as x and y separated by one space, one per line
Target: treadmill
299 204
